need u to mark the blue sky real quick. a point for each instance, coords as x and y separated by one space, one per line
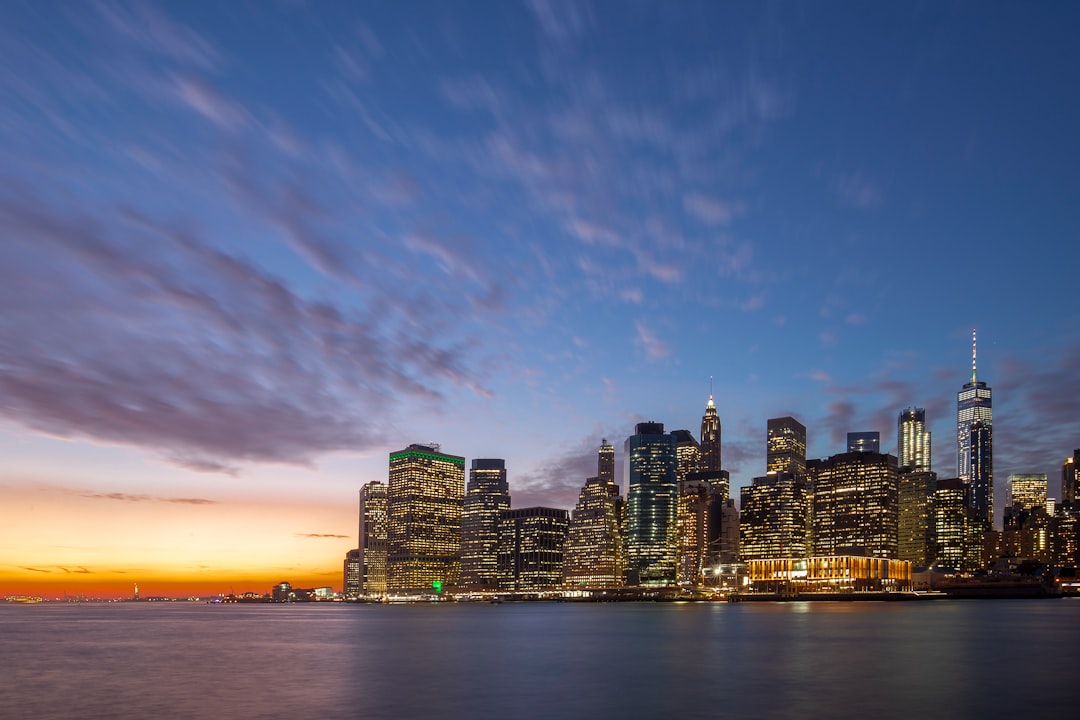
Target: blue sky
250 248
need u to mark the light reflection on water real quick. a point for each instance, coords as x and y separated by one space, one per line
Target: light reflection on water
541 660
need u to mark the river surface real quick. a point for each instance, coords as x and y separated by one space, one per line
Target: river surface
941 659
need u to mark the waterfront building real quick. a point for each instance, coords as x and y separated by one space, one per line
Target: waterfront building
372 549
486 496
958 528
593 557
352 575
1065 539
864 442
786 451
974 441
855 504
425 496
915 533
913 440
728 540
711 438
650 468
774 517
693 531
831 574
531 546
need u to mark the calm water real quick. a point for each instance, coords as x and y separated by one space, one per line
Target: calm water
977 659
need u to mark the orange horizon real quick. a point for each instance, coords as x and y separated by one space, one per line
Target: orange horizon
164 587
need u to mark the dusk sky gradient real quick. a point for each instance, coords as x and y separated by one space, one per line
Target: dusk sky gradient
247 249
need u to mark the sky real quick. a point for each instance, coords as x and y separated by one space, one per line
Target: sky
248 249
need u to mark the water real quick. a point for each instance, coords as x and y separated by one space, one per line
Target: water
957 659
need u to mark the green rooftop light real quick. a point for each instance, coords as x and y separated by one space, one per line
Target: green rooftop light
436 585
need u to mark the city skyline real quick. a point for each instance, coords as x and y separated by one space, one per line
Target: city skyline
247 255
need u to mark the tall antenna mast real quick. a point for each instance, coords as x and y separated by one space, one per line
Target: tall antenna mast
972 355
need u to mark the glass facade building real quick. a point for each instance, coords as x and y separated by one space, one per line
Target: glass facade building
915 535
593 556
425 496
957 528
1027 491
869 441
486 496
774 518
974 442
855 505
786 450
913 440
374 528
652 505
531 546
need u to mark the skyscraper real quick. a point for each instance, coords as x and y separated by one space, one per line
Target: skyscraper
915 536
687 454
957 527
710 438
1070 480
486 496
605 462
869 441
693 522
974 457
786 446
651 505
424 504
593 557
913 440
531 545
371 553
774 518
855 507
1027 491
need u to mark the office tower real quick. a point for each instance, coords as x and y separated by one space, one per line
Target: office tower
424 503
687 454
786 445
774 518
531 545
864 442
1070 480
593 557
974 441
351 575
605 462
855 505
486 496
913 440
374 528
1066 537
957 526
710 438
729 533
652 505
693 531
915 537
1027 491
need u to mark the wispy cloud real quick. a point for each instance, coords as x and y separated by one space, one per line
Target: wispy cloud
856 191
321 535
709 210
654 347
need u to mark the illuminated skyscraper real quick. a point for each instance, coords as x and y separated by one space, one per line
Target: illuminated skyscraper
693 531
1070 480
531 545
710 438
487 495
605 462
855 507
974 458
652 504
371 554
593 556
913 440
864 441
1026 491
915 538
687 454
774 518
786 446
957 527
352 575
424 504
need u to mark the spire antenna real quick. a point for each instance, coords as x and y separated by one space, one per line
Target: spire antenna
972 354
